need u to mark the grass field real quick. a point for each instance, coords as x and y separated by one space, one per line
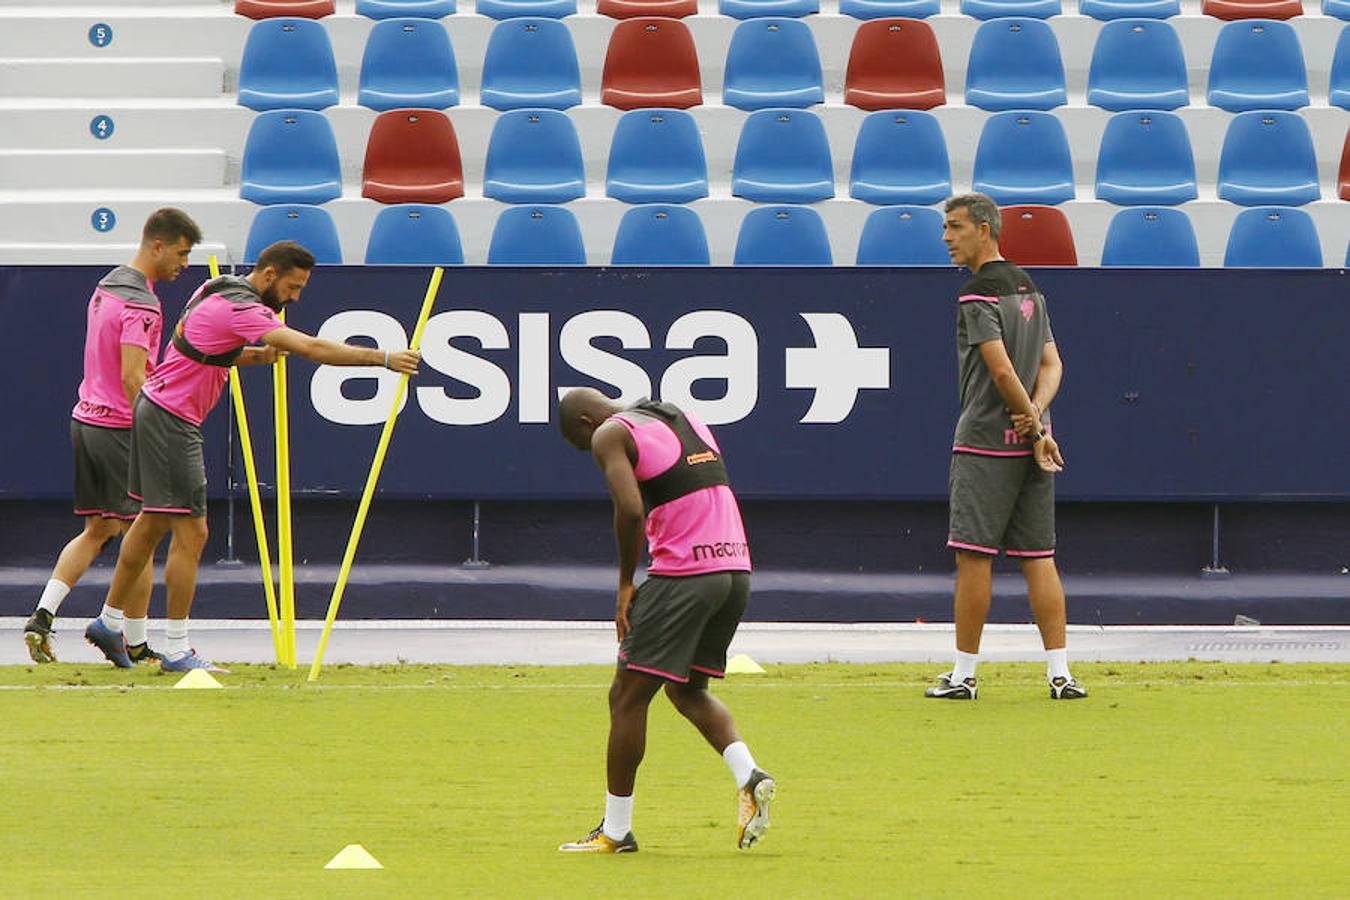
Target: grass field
1171 780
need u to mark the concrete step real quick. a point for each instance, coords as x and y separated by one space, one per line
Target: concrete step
109 254
108 77
161 169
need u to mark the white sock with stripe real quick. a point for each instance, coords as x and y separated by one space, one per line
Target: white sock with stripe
52 595
112 618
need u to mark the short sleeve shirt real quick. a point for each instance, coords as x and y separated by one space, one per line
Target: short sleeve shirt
123 311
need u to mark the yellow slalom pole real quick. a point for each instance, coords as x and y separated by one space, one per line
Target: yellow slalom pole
285 550
347 558
255 501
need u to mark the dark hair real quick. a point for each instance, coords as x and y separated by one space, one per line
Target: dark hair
284 256
980 208
168 225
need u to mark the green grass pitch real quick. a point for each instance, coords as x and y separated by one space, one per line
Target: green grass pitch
1171 780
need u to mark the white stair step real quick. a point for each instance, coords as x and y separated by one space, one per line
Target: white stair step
173 77
109 254
38 169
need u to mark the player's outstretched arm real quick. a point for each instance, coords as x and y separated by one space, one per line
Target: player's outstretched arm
331 353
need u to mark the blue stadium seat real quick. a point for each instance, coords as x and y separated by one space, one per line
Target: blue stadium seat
1273 237
900 157
1339 94
288 64
1023 157
783 156
408 64
531 62
1015 64
657 157
1257 64
534 156
1268 158
395 9
310 226
290 156
1146 160
753 9
515 9
772 62
889 9
1151 236
414 234
783 236
1129 9
903 236
998 9
536 236
1137 64
660 235
1340 9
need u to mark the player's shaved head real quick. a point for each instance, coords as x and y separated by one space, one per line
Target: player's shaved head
580 412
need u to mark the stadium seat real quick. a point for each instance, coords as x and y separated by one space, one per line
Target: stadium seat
1268 158
903 236
752 9
1151 236
413 234
660 235
310 226
530 63
267 9
395 9
651 62
1015 64
783 156
1146 160
412 156
900 157
288 64
1129 9
290 156
516 9
1252 9
999 9
408 63
1340 9
889 9
1338 93
1343 179
1036 236
1023 157
631 9
1257 65
1137 65
657 157
894 64
783 236
534 156
772 62
1273 237
536 236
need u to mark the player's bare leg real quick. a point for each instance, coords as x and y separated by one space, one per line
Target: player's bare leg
1046 595
138 547
974 592
180 581
74 560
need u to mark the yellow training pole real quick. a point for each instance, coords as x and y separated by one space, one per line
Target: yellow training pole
347 558
255 501
285 550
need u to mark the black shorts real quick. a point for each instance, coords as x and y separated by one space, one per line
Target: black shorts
679 625
167 471
101 460
1001 504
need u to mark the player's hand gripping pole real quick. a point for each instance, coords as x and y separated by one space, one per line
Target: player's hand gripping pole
255 501
432 290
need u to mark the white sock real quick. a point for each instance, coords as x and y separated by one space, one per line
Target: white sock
618 816
1057 664
739 760
965 666
176 639
52 595
134 631
112 618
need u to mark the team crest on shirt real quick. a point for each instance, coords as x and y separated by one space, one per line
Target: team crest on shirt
146 322
1028 307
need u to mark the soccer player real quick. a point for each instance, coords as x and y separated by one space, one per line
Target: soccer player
224 317
1003 457
121 346
665 472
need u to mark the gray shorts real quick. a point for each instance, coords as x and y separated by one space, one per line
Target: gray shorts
680 625
167 472
1001 504
101 459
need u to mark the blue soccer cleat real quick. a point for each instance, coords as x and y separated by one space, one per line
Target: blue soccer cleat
189 662
110 643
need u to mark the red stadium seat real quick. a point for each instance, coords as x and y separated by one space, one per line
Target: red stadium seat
651 62
412 157
631 9
894 64
1344 178
1037 236
1252 9
267 9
